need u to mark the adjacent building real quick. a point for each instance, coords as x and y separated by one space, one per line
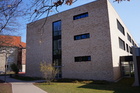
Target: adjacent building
85 42
11 51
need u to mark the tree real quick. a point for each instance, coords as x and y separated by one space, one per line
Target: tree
49 72
41 7
9 12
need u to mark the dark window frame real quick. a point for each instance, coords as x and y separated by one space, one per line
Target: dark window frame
56 46
120 27
131 52
121 44
82 36
82 58
133 43
129 38
79 16
58 30
127 48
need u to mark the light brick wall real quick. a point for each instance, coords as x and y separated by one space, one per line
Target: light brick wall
97 46
102 46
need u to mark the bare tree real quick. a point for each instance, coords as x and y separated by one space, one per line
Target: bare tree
9 12
41 7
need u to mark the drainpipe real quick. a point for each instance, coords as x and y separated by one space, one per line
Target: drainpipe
5 66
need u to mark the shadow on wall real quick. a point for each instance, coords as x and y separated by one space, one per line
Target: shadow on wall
122 86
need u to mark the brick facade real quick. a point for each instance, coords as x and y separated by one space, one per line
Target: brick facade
102 46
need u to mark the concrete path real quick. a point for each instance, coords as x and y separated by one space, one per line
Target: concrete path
19 86
26 88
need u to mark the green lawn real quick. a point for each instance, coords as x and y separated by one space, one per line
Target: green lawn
123 86
5 88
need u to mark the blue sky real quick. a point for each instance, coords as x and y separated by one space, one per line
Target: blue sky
128 11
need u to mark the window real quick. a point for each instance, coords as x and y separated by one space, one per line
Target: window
121 44
80 16
56 50
133 43
120 27
82 58
57 28
127 47
128 37
130 50
82 36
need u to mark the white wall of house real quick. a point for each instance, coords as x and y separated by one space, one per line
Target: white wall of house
11 53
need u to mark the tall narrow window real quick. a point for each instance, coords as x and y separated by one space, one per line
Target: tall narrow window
120 27
56 26
121 44
127 48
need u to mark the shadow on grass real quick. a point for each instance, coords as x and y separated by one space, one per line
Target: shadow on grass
25 78
122 86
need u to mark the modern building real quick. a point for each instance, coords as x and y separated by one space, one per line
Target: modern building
11 51
85 42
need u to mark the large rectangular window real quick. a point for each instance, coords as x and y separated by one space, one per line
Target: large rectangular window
82 58
80 16
128 37
82 36
120 27
121 44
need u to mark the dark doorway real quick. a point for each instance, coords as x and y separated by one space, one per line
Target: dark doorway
127 66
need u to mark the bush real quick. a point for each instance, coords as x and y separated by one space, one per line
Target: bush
14 68
49 72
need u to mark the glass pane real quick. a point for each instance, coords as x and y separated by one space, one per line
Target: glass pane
83 36
57 28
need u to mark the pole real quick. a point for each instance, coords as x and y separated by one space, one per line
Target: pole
5 67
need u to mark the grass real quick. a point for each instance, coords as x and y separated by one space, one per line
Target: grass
5 87
123 86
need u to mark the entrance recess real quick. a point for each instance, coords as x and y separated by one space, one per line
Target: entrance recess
127 66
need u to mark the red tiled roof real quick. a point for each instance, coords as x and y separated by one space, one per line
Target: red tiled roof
14 41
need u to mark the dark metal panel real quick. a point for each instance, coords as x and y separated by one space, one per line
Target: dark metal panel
126 58
138 67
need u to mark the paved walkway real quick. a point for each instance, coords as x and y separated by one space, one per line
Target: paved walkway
19 86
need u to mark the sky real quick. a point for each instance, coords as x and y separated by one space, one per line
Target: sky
129 11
